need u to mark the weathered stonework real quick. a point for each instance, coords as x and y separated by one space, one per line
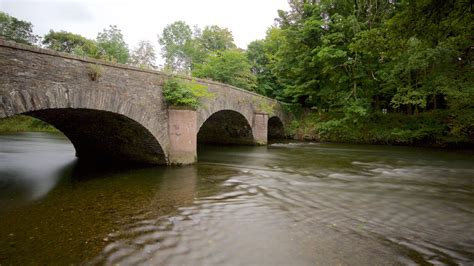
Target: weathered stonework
182 135
260 124
124 105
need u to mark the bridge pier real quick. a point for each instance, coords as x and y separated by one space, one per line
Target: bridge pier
182 126
260 128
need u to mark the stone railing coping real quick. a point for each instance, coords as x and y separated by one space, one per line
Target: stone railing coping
33 49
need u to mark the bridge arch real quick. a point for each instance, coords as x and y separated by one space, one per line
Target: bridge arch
276 130
104 136
102 125
226 127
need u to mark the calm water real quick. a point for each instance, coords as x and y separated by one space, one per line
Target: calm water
285 204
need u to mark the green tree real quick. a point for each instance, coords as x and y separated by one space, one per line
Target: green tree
144 55
214 38
17 30
229 66
67 42
177 47
261 55
354 58
112 46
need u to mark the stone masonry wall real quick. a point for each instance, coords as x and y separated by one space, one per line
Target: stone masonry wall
33 79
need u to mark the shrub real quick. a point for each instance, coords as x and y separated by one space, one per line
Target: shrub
184 93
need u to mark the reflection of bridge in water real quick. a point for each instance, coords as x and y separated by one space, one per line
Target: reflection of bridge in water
122 115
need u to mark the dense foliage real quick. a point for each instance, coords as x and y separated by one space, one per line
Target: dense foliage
68 42
353 61
209 53
183 93
227 66
16 30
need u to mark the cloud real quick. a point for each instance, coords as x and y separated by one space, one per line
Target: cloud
48 14
248 20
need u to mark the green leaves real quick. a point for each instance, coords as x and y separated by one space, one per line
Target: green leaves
16 30
67 42
177 47
229 66
111 44
182 93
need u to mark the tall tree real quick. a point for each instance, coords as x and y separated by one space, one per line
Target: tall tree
176 42
214 38
261 55
112 46
17 30
144 55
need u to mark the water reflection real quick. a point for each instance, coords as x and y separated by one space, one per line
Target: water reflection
285 204
31 164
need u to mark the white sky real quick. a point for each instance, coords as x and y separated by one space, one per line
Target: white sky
143 20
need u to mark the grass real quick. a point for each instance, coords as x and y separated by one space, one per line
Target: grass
22 123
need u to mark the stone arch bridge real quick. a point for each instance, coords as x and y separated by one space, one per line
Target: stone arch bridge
121 114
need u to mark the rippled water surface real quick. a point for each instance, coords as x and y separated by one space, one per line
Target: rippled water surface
285 204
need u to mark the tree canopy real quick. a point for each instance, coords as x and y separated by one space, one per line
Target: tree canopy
67 42
144 55
112 46
17 30
365 56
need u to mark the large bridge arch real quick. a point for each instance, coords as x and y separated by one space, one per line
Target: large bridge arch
99 125
104 136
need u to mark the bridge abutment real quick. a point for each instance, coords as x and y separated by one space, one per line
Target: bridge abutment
260 128
182 126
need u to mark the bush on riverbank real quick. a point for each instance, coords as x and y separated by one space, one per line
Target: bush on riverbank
436 128
21 123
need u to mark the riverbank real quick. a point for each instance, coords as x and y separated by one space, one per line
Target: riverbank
21 123
431 129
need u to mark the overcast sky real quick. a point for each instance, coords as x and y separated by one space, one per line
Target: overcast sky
143 20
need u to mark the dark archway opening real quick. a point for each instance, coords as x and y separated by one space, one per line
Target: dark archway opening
103 136
276 130
226 127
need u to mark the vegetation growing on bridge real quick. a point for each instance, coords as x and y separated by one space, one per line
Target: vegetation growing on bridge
183 93
94 72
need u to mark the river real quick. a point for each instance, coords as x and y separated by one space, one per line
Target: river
282 204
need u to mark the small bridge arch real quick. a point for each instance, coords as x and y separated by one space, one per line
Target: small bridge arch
226 127
276 129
